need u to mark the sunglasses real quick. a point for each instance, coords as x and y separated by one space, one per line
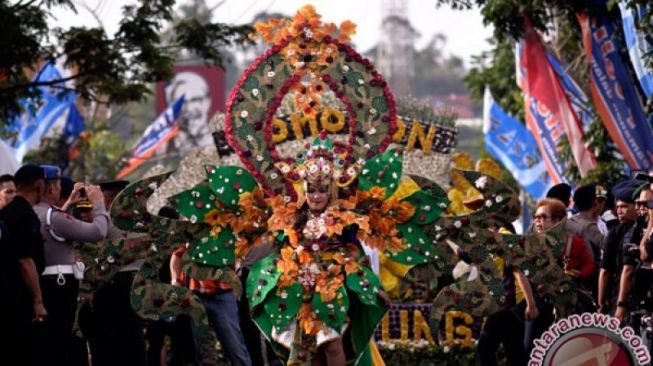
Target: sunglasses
542 217
641 203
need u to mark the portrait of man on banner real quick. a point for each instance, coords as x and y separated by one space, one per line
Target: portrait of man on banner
203 87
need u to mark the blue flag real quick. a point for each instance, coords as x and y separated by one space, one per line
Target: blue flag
40 115
638 46
510 143
615 96
74 125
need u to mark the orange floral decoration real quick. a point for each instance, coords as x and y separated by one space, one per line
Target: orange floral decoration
384 215
327 285
308 321
288 267
308 48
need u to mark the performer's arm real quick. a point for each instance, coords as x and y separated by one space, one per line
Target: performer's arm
525 286
175 265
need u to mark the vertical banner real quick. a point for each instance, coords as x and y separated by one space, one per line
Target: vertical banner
541 85
638 45
615 96
509 142
164 128
579 101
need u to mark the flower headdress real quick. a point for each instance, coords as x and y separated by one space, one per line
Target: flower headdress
309 59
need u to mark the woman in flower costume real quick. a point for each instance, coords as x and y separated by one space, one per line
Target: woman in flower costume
316 291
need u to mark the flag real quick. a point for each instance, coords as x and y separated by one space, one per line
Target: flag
637 45
8 163
509 142
51 108
74 125
614 93
580 103
164 128
546 135
546 98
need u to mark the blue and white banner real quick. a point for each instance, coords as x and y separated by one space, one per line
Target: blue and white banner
615 96
162 130
40 115
510 143
638 45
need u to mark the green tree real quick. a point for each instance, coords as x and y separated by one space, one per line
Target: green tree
496 68
112 69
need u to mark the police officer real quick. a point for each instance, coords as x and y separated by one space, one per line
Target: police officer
60 279
619 259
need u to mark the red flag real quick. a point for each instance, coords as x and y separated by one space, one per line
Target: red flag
542 84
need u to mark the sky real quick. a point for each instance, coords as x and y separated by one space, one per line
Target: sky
465 32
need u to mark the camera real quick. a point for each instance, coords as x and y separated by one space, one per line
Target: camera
82 193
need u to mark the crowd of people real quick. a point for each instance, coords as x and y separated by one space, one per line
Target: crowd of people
608 251
44 217
607 240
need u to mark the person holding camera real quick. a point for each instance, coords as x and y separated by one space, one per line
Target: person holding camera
62 274
620 253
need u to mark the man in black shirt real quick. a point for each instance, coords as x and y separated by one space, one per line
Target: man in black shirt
619 259
24 260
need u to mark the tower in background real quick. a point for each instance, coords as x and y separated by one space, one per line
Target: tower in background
395 53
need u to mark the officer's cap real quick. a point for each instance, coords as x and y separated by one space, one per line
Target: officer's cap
624 190
52 172
113 185
84 205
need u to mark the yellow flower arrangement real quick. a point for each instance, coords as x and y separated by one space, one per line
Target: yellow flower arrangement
463 195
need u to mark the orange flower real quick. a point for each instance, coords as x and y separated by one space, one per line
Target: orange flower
242 247
327 54
401 211
327 286
305 257
288 267
308 320
347 29
307 16
283 215
268 30
211 218
351 265
374 194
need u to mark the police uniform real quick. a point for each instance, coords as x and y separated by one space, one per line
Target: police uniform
58 282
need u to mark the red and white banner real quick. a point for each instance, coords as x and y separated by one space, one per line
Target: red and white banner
540 82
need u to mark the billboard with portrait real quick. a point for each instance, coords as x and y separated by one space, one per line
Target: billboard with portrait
203 87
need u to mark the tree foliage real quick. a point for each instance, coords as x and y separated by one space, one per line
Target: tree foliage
496 68
105 68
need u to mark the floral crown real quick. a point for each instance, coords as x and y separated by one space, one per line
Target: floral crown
309 63
322 162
